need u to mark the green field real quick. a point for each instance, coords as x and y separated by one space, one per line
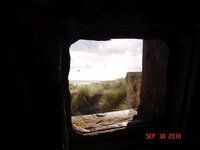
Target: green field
98 97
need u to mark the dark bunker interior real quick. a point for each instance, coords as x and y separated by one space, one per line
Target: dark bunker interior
36 99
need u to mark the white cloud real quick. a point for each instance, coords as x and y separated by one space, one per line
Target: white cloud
105 60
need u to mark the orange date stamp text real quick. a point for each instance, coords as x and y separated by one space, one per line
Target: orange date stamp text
163 136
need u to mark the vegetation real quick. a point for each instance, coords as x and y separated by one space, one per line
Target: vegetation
98 97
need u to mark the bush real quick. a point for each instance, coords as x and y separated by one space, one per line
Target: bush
98 97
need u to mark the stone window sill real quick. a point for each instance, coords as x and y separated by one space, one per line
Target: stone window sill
102 122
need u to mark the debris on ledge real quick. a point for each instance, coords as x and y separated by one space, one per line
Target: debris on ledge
102 121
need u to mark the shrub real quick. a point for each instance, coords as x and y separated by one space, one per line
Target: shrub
98 97
112 99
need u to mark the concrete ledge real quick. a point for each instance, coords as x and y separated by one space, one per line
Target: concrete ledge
116 120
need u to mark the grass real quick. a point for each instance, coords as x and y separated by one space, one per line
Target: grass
98 97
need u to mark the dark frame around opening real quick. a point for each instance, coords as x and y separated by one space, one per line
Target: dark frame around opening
155 64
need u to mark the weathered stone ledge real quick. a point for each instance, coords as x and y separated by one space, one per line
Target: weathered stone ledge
100 122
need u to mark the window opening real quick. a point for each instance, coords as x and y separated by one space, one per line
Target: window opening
104 82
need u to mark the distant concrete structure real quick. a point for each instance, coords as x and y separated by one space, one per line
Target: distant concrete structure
133 82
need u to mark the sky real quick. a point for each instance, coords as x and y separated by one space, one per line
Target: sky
105 60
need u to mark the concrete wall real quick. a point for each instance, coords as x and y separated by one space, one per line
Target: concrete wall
154 79
133 83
